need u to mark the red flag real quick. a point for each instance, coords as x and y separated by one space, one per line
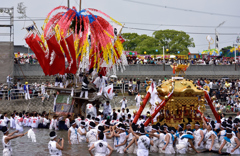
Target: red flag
65 49
57 60
33 43
70 42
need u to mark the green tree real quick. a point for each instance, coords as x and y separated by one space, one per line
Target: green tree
171 39
174 41
130 43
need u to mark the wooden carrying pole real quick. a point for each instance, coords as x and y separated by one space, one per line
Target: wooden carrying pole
141 108
212 107
157 109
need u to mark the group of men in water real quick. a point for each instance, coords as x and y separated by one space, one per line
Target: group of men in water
121 134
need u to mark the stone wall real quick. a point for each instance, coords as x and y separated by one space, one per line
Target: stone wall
37 105
33 73
26 105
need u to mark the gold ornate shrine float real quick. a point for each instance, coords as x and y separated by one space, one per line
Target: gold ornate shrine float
182 101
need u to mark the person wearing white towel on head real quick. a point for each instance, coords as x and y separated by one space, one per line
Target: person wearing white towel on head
185 141
6 140
122 138
233 142
54 148
91 134
143 142
72 134
82 132
198 136
210 137
123 103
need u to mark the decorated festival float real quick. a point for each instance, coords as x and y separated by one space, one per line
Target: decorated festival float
89 44
176 101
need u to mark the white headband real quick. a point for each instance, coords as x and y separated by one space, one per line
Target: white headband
154 129
53 137
197 124
228 133
189 132
6 131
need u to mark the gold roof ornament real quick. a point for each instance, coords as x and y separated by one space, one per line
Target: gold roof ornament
179 68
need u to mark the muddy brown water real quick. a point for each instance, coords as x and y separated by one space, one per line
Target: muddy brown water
24 147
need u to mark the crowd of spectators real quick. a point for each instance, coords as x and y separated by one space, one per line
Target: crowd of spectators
200 61
16 91
25 60
226 92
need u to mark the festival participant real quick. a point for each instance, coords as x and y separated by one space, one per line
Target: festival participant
25 121
211 139
184 140
19 123
233 141
72 134
46 122
100 147
138 100
97 120
53 124
222 133
16 117
26 91
78 120
6 140
143 142
154 148
107 109
91 135
123 103
168 141
34 121
131 140
2 122
54 148
30 120
82 132
85 83
12 122
122 138
43 88
108 132
67 122
6 119
198 136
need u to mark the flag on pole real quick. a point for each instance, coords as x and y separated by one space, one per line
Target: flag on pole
108 91
154 98
217 40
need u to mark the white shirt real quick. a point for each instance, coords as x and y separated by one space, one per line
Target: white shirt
34 122
92 135
138 99
124 103
78 121
107 109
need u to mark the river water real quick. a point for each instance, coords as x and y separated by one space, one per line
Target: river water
25 147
